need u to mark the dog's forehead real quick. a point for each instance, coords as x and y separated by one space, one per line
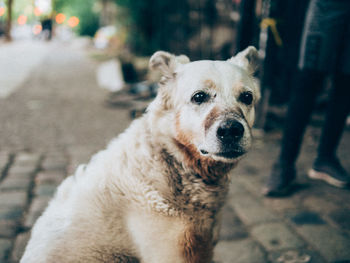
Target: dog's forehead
222 73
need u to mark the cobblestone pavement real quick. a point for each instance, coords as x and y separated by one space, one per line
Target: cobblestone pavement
313 225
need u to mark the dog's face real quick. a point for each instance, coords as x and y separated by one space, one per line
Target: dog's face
213 102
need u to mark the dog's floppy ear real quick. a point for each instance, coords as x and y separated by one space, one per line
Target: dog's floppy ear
247 59
182 59
166 63
163 62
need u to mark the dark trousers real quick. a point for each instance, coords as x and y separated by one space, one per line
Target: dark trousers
308 84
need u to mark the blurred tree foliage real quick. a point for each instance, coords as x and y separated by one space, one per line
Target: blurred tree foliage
155 24
84 10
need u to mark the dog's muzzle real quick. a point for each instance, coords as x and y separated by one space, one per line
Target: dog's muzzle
229 133
230 140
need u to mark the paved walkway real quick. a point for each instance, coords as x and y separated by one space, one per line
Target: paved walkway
311 226
66 121
24 57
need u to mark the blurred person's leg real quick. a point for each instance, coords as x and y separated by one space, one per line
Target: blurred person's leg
308 84
322 35
327 166
338 109
301 104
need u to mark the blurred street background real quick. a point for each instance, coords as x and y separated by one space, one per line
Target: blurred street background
74 74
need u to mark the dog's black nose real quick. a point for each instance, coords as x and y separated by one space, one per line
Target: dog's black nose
231 130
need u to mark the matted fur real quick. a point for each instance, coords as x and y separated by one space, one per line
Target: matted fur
155 193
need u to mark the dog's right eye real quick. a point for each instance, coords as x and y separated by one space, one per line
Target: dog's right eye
200 97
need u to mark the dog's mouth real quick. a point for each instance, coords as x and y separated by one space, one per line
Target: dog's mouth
230 154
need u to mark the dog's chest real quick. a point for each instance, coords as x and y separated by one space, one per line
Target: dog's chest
157 237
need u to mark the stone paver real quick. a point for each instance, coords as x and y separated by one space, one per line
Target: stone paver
331 244
37 207
295 256
306 218
13 199
19 246
45 190
251 211
49 177
242 251
276 236
341 217
13 183
11 213
54 163
22 171
319 204
5 249
4 163
9 228
26 159
232 227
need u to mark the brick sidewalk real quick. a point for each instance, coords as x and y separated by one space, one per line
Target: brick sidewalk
311 226
27 182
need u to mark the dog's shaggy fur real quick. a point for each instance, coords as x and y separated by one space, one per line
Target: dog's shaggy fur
155 193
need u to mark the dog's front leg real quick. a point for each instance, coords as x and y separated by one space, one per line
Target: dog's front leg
217 227
157 237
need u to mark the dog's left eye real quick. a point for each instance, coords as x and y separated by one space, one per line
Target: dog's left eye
200 97
246 97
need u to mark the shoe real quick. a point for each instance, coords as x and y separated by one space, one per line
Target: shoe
330 171
280 181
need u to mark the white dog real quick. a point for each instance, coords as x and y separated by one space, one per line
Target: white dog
154 195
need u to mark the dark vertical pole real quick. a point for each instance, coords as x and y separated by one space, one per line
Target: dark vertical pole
210 17
9 20
246 24
263 105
